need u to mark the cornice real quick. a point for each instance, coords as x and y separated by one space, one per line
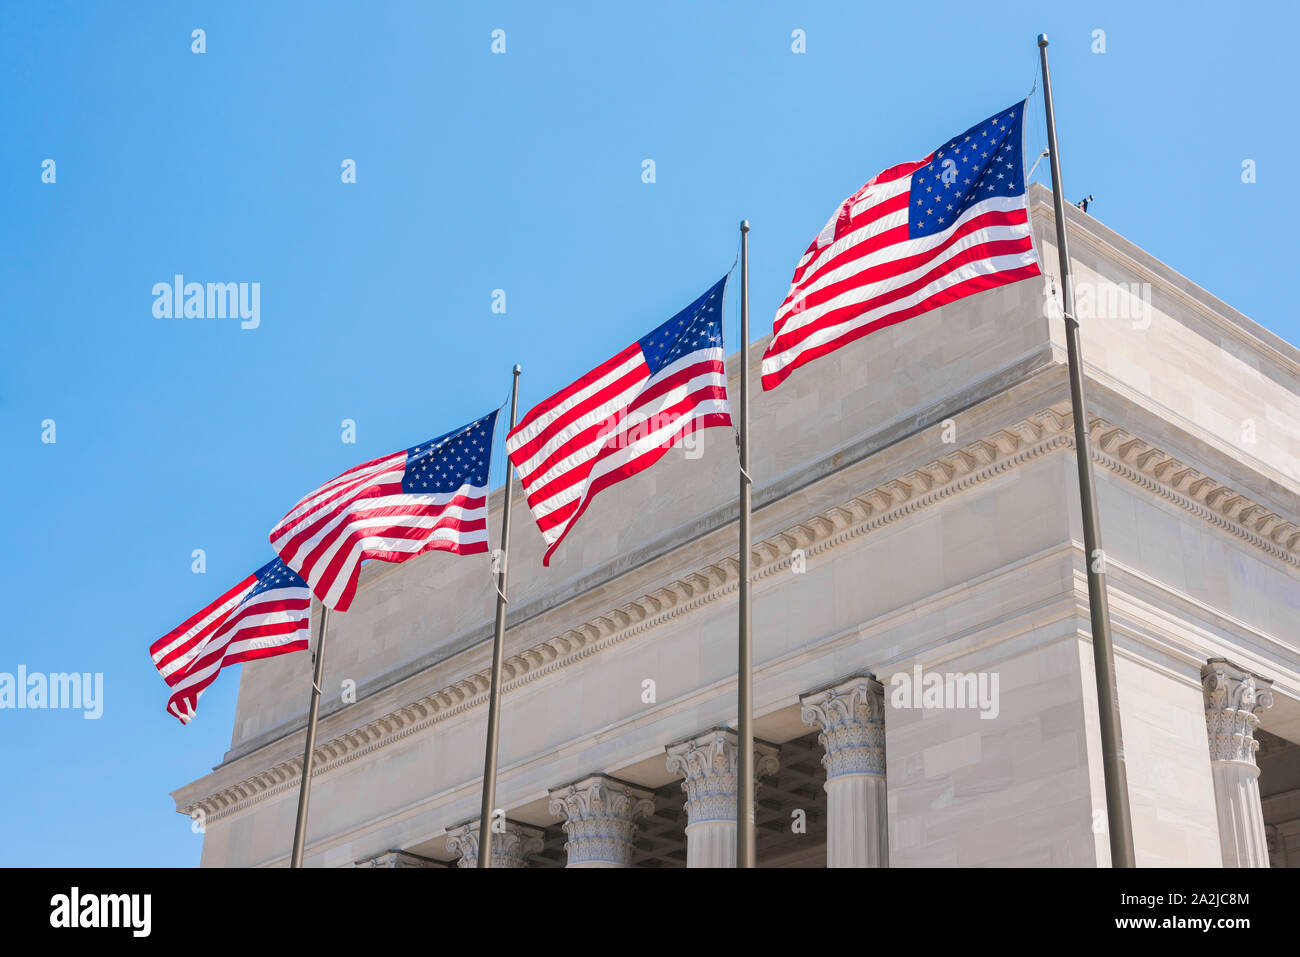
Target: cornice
1210 500
1101 239
998 453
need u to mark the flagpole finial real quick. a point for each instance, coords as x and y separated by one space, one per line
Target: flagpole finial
518 369
1042 39
744 225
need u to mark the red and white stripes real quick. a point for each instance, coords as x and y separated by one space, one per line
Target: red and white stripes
863 272
612 423
365 514
233 629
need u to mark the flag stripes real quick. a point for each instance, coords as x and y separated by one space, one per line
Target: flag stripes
915 237
266 614
623 416
432 497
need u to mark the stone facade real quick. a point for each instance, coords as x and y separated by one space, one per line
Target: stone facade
916 514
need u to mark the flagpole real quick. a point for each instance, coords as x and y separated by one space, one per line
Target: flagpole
1119 819
313 712
745 675
498 650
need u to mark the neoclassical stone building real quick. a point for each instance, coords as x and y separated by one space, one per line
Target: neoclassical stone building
924 691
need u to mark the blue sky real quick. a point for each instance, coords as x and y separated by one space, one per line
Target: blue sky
475 172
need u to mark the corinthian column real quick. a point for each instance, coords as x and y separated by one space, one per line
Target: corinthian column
600 818
510 849
1234 700
708 764
851 716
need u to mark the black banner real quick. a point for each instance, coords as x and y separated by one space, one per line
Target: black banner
945 908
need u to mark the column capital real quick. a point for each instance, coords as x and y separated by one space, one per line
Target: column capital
851 716
708 765
600 819
398 859
1234 700
510 849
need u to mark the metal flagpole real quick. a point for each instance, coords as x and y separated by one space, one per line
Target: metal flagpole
498 649
1119 820
313 711
745 675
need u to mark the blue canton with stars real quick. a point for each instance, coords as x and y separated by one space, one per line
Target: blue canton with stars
986 160
698 326
444 464
275 574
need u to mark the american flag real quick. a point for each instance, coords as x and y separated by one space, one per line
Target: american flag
622 416
266 614
915 237
430 497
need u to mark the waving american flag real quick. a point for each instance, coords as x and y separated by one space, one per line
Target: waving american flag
915 237
430 497
622 416
266 614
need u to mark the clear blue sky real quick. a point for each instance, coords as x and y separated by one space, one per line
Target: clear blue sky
475 172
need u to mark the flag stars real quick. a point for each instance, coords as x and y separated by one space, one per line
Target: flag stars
988 163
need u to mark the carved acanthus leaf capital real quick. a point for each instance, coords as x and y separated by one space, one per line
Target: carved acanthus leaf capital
708 765
851 716
1234 700
600 819
510 848
399 859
